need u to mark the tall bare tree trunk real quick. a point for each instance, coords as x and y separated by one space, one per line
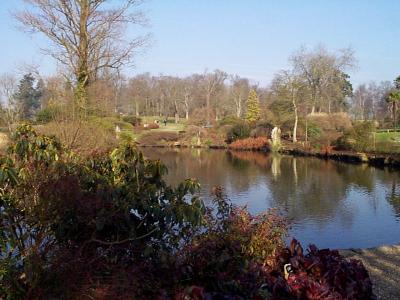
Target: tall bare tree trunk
176 112
296 119
83 65
137 108
208 107
314 100
239 107
186 102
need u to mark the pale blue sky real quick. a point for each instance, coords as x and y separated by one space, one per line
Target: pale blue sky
252 38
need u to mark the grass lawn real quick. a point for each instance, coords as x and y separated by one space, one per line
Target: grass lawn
388 137
171 127
136 135
388 142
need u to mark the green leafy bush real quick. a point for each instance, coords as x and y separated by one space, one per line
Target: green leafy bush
230 120
314 131
134 120
358 138
124 125
107 123
126 137
238 131
46 114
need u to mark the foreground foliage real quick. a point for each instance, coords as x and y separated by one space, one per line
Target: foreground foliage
59 212
110 227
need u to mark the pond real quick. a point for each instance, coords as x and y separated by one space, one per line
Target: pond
330 204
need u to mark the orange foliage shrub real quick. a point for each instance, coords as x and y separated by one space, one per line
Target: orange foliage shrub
152 126
258 143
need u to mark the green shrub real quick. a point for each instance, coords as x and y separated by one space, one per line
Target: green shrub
110 123
238 131
262 129
230 120
208 142
134 120
46 115
107 123
314 131
124 125
358 138
126 137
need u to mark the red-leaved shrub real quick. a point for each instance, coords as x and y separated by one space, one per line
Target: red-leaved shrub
319 274
258 143
152 126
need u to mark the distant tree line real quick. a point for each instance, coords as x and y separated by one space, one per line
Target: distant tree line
88 41
317 82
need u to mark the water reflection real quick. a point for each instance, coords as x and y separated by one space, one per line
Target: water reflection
331 204
393 196
309 189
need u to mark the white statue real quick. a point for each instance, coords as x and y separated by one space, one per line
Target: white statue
276 136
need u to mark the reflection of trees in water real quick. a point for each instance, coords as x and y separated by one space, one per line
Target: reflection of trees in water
210 167
361 176
238 163
258 158
308 188
393 197
390 181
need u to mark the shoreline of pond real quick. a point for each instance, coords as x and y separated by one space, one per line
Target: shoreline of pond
372 159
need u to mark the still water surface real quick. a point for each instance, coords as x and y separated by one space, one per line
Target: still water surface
330 204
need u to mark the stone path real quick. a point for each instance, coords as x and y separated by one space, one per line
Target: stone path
383 265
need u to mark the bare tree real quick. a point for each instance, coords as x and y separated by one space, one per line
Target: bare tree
87 36
240 89
11 111
290 87
212 82
323 72
138 93
369 101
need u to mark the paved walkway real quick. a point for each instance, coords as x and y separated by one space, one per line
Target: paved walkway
383 265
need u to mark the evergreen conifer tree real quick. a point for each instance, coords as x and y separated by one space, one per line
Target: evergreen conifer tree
253 107
28 96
